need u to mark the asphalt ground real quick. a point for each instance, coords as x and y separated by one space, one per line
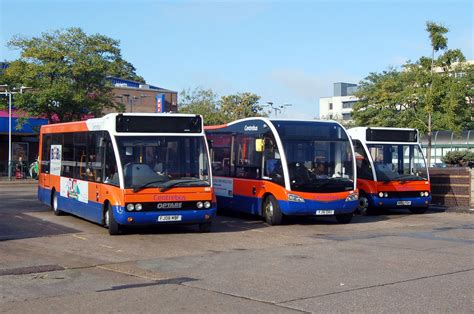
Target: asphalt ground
393 262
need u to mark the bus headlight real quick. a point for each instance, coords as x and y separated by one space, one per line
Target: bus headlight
199 204
422 194
130 207
380 194
295 198
138 207
385 194
352 197
207 204
427 193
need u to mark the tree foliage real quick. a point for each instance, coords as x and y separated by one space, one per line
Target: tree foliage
66 70
201 101
222 110
460 158
405 98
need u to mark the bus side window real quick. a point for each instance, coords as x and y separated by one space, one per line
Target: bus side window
45 153
272 166
248 160
220 153
364 170
110 175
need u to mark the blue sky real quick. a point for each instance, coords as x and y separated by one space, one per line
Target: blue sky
284 51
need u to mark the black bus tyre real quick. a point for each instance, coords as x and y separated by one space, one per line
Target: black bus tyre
344 218
418 210
205 227
363 204
54 204
271 211
110 222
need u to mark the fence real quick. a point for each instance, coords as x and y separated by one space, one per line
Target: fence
452 187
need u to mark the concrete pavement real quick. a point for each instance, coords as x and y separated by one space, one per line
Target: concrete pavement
394 262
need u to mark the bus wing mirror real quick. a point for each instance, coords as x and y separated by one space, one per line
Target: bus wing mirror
259 144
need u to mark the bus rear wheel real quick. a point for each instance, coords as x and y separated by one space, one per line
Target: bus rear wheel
363 204
54 204
110 222
271 211
205 227
344 218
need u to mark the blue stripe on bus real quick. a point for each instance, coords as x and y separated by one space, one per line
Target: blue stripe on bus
93 211
252 205
391 202
151 217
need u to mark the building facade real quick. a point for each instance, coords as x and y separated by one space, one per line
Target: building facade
141 97
133 96
339 106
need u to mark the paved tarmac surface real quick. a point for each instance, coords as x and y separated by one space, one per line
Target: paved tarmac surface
395 262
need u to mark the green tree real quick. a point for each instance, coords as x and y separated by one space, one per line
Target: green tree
219 111
432 93
241 105
67 71
201 101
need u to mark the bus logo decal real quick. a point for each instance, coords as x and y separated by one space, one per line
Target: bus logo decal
250 128
168 205
170 198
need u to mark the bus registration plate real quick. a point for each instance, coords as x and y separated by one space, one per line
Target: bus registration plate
403 203
169 218
322 212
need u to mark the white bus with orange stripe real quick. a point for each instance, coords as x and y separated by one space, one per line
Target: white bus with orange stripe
128 169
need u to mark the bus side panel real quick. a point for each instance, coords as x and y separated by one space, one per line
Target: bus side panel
246 195
44 195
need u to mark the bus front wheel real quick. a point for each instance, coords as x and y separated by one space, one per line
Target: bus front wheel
205 227
54 204
271 211
110 222
344 218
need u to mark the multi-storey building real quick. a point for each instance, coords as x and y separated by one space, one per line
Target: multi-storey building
339 106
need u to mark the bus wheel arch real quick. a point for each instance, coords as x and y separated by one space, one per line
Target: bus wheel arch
54 203
363 205
271 211
109 220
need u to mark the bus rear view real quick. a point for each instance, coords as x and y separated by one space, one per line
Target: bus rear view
391 169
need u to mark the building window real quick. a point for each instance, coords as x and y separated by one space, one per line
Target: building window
330 106
346 116
348 104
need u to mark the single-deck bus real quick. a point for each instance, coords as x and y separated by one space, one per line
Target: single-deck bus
128 169
391 169
274 168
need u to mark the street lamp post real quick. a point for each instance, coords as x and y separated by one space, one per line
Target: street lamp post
278 108
9 94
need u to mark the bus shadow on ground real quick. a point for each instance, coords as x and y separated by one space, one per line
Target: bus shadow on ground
234 222
22 226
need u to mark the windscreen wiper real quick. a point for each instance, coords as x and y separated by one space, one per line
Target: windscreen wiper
140 187
172 184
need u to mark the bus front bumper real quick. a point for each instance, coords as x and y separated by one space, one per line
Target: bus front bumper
124 217
311 207
401 202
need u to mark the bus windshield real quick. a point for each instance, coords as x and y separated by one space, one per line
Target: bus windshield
398 162
163 161
319 156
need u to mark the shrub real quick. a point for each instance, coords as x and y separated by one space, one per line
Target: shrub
461 158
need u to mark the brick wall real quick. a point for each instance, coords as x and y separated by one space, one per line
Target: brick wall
452 187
